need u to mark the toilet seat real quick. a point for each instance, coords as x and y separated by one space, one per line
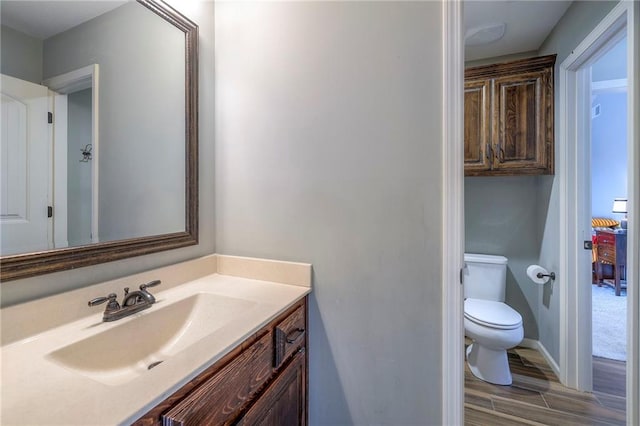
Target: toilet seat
492 314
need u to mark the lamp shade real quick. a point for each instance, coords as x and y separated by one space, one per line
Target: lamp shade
619 205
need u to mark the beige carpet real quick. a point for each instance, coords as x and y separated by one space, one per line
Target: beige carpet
609 322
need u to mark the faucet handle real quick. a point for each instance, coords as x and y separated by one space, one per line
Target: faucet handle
153 283
111 298
99 300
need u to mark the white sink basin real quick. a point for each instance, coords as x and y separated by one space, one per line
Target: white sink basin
125 351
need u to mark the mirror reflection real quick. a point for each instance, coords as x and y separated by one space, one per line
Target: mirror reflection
93 124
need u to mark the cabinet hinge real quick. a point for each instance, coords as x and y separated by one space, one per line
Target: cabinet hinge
50 117
49 211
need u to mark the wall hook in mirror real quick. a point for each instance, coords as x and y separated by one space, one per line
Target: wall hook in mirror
86 153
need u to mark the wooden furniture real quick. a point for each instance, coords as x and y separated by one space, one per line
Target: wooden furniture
262 381
508 123
612 250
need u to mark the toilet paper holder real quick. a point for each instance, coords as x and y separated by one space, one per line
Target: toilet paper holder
551 275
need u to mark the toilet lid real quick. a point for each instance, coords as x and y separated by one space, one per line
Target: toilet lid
491 314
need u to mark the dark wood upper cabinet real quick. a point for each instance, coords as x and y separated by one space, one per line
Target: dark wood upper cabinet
477 111
508 125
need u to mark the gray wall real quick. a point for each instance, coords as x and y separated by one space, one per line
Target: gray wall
613 64
328 150
20 55
501 218
13 292
609 145
579 20
609 134
141 167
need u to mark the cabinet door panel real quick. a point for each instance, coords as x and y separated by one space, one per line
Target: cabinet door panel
284 401
477 154
520 121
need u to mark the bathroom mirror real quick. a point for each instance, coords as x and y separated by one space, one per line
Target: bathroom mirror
114 171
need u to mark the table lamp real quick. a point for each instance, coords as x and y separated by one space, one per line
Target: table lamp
620 206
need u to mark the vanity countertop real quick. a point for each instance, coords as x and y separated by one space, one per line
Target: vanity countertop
39 389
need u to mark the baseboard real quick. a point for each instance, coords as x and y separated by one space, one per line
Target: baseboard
535 344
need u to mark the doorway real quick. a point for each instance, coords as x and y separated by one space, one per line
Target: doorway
575 105
608 182
608 157
76 106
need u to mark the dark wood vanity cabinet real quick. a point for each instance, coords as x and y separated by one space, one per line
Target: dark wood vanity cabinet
508 125
263 381
284 401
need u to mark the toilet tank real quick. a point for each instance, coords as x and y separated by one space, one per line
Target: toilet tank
485 276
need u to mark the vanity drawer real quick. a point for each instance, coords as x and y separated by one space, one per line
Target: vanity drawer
228 390
289 336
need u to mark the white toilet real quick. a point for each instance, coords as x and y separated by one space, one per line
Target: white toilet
493 326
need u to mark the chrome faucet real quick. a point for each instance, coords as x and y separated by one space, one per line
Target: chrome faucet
139 296
132 302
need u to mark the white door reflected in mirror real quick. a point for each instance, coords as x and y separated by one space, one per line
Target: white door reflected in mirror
135 184
24 189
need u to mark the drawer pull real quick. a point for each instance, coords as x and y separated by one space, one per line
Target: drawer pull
285 344
295 335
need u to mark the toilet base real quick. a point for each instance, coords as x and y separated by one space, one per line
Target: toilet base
489 365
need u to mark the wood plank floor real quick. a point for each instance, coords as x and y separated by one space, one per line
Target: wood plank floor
536 397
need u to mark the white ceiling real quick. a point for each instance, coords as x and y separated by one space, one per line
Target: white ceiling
43 19
528 23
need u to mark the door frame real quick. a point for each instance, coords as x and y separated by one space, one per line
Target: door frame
70 82
452 213
58 162
575 301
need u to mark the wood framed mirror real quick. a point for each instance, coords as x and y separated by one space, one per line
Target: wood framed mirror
159 120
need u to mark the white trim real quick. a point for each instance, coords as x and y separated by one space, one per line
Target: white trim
633 228
95 153
452 215
60 172
537 345
73 81
566 266
571 331
575 331
575 342
50 172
